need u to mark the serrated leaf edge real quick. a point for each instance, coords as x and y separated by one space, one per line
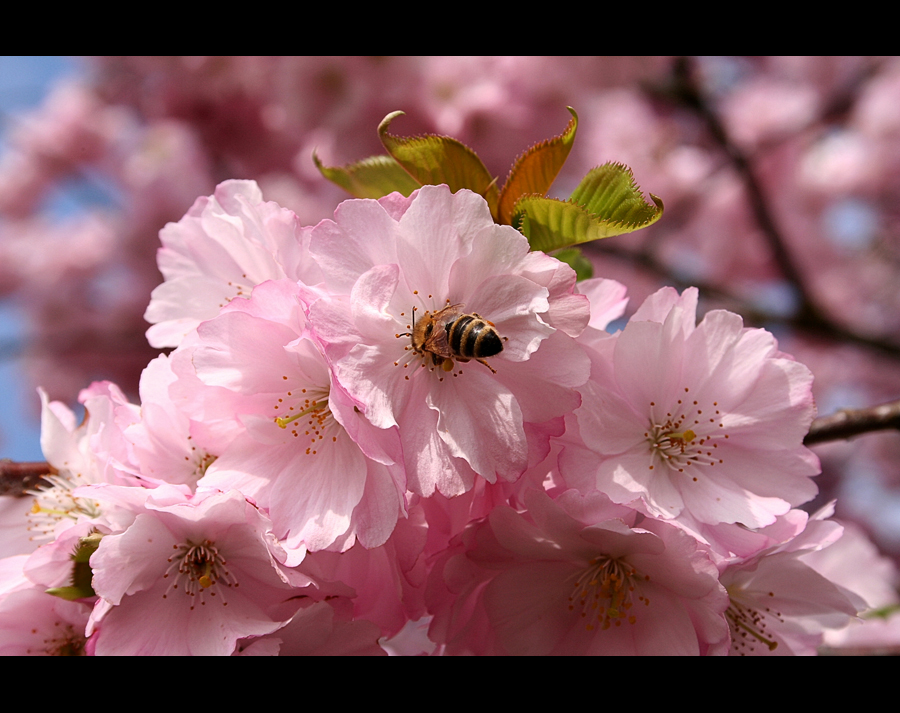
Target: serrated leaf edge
539 145
656 200
383 131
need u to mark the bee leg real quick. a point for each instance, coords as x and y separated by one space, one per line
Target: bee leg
482 361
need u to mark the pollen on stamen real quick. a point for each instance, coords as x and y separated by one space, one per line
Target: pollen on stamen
750 626
679 447
197 570
604 593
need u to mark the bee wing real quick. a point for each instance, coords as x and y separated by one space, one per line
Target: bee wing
437 342
448 314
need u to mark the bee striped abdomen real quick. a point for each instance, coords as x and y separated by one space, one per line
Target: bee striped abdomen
472 337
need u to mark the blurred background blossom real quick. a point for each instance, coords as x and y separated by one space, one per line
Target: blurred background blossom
780 175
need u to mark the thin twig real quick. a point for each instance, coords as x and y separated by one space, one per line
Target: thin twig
809 318
691 96
752 314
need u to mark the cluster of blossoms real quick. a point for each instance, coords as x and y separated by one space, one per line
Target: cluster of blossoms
328 461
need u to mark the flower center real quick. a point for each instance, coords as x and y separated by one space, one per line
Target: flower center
201 461
196 569
427 339
240 290
750 627
55 504
308 417
65 641
443 338
605 593
685 436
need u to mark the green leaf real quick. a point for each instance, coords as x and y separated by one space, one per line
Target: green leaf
373 177
82 575
536 169
550 224
573 257
431 160
606 202
610 193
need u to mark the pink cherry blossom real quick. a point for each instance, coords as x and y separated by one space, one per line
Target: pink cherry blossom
388 581
15 539
392 263
80 454
706 419
203 570
305 454
34 623
576 576
779 604
321 628
855 563
219 250
607 298
161 443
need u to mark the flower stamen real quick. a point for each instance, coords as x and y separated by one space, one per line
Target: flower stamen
66 640
197 568
605 593
313 405
748 626
56 503
685 437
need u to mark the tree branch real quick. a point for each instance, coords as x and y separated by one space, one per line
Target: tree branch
849 422
17 479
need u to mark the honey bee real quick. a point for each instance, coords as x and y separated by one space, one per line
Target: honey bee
449 334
